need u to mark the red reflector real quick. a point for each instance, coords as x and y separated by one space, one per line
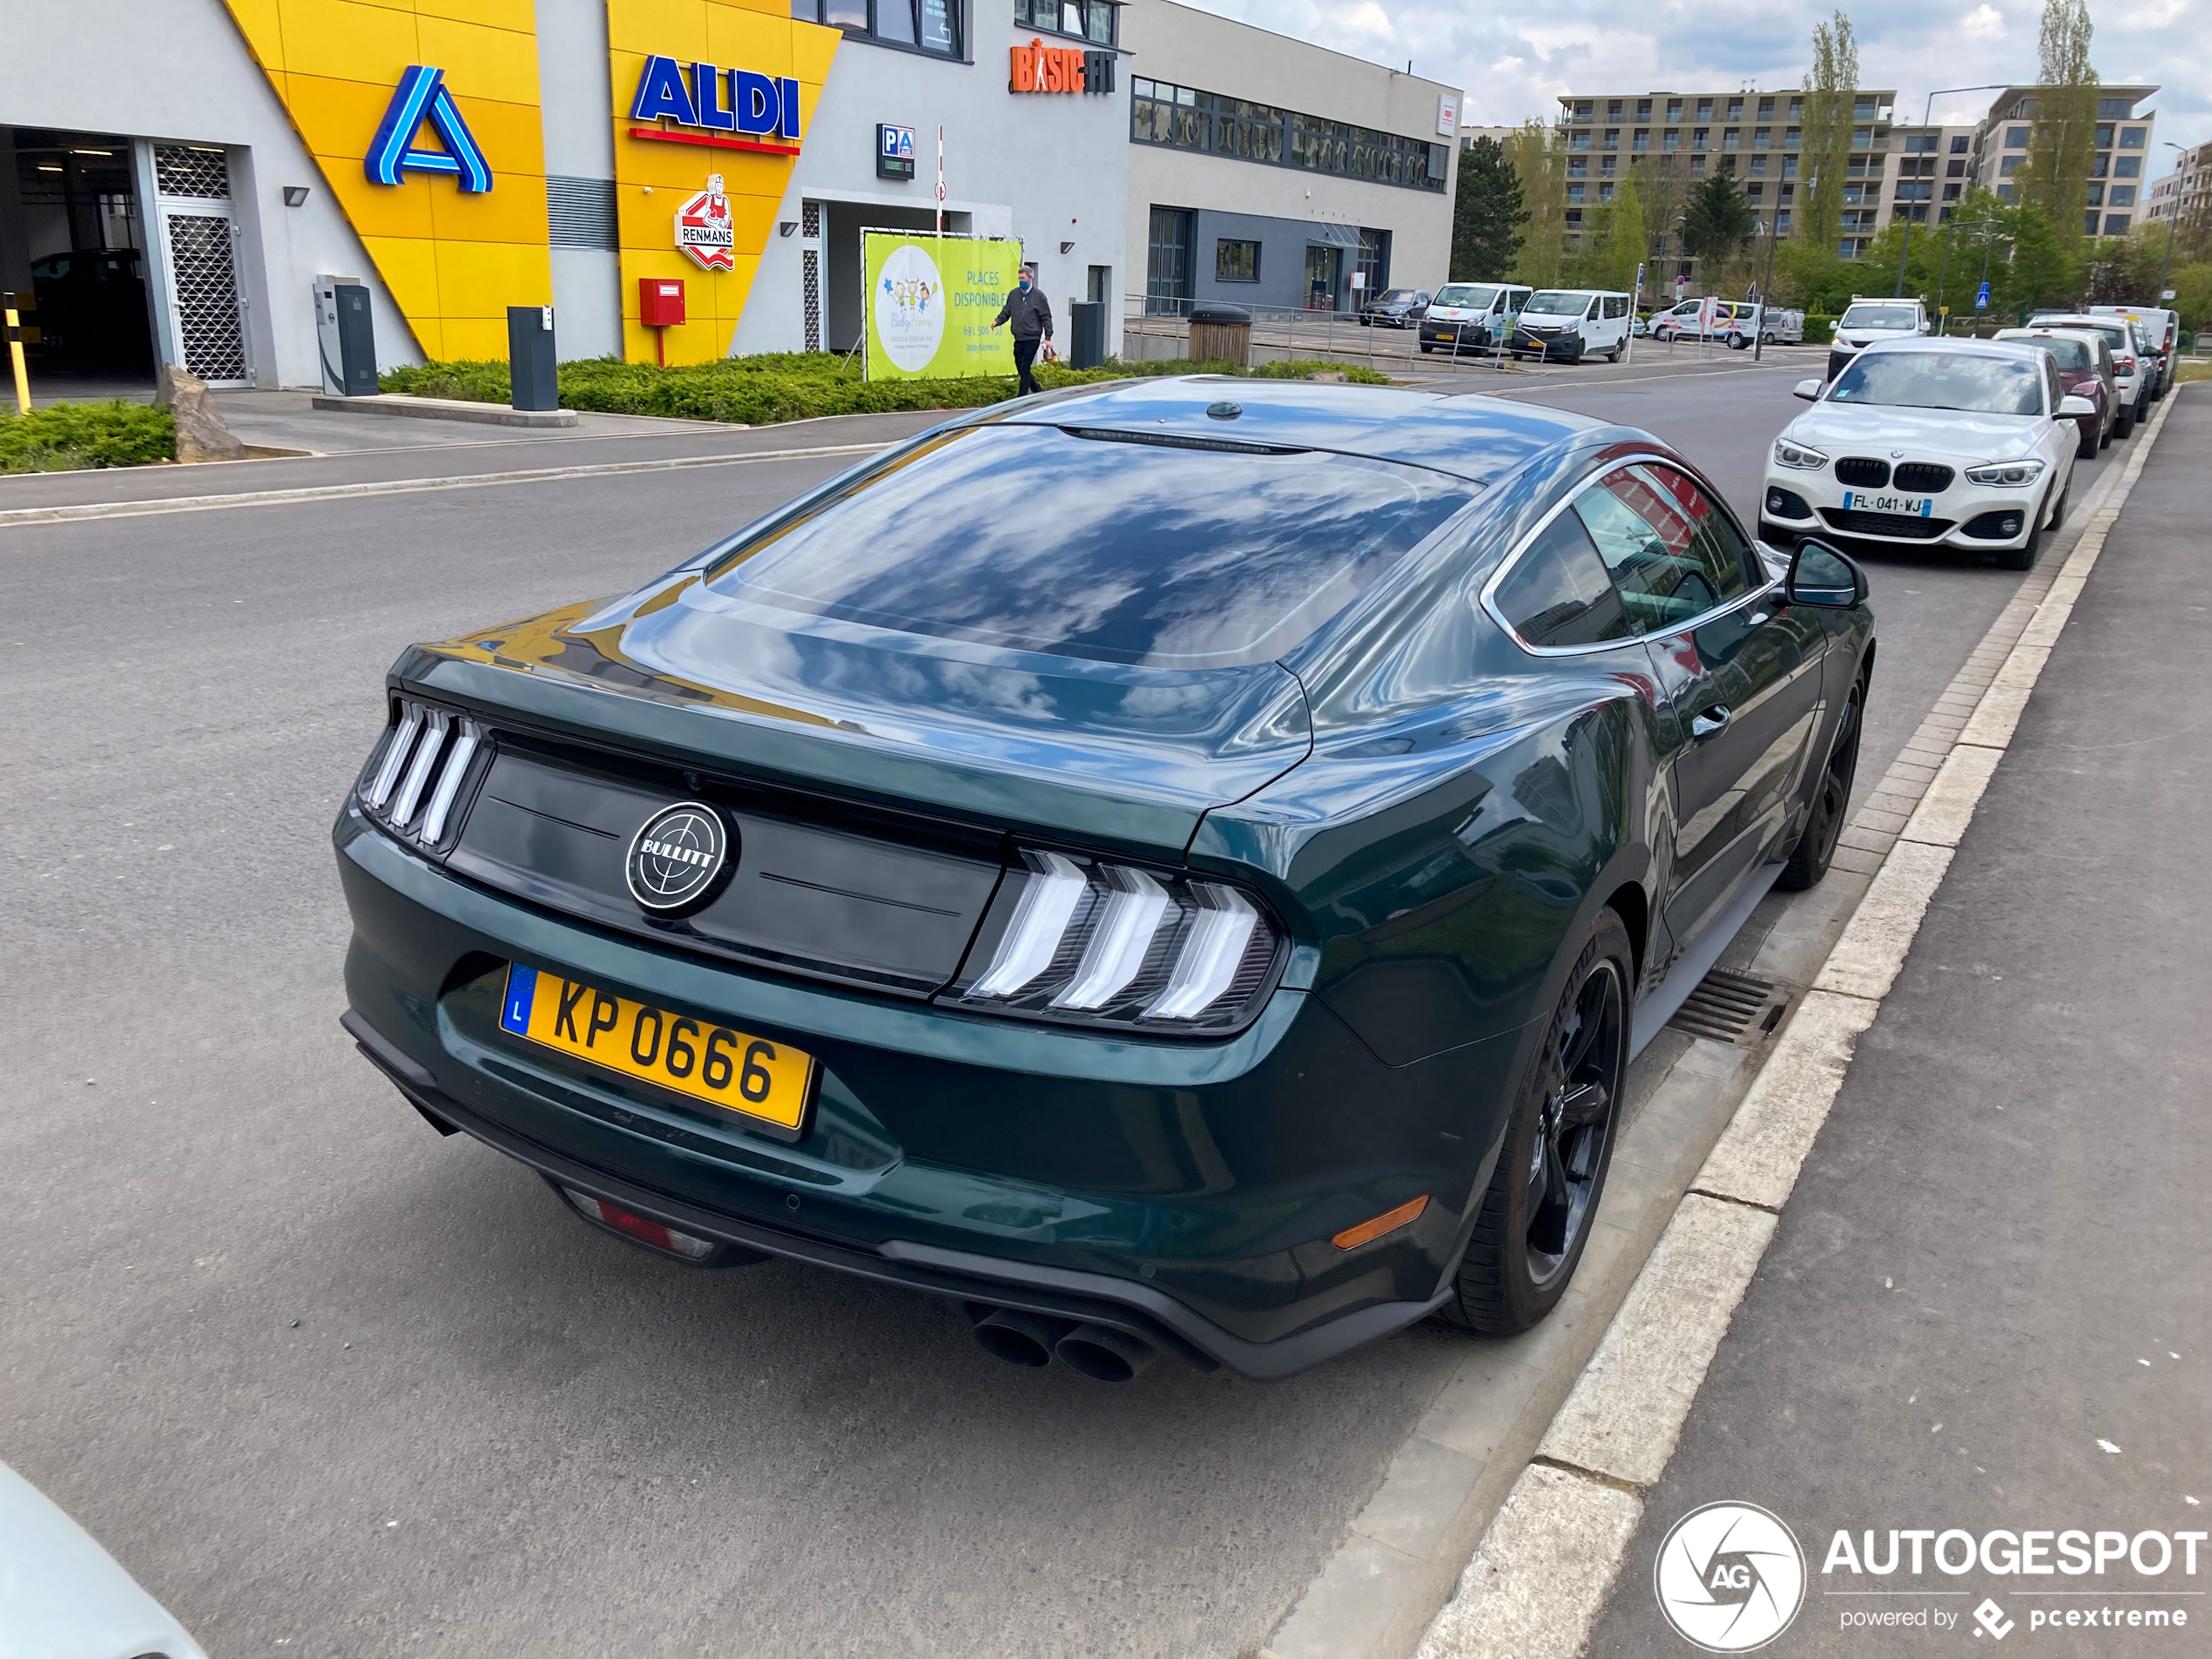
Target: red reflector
660 1237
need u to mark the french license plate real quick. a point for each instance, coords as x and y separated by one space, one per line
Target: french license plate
1905 506
751 1077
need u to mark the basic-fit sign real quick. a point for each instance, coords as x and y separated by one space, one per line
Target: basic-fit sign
421 96
735 109
1040 68
894 151
703 229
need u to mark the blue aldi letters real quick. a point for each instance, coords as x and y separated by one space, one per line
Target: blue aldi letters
423 94
719 100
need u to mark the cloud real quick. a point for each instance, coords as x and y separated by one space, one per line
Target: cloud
1983 22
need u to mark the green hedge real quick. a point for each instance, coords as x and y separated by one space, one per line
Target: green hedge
788 386
1819 329
65 437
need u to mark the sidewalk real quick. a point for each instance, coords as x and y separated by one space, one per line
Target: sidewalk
1988 1304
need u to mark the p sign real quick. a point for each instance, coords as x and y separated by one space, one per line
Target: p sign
894 151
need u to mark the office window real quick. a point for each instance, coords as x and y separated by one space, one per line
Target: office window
2096 195
1781 221
1914 193
1766 109
1613 109
1959 145
1584 111
2005 193
2121 196
1573 218
1236 261
2104 139
1847 249
1862 138
1852 193
1954 170
1605 193
2016 137
1789 166
1786 194
2115 224
1753 193
1735 109
2009 165
1613 137
2113 109
1606 164
1950 193
1862 110
1579 141
1758 167
1698 137
2100 166
1704 108
1732 139
1575 192
1578 167
1643 109
1085 19
930 25
1796 108
1674 109
1763 139
1641 140
1697 164
2132 137
1789 136
1248 131
1161 113
2128 167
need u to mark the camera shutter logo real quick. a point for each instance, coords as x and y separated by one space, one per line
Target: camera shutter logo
1729 1577
678 861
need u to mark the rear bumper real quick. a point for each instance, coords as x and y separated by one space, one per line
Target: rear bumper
1184 1193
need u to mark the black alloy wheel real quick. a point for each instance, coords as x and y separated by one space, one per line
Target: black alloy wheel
1542 1200
1816 847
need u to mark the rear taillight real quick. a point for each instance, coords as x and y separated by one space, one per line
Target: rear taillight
1092 942
417 780
659 1235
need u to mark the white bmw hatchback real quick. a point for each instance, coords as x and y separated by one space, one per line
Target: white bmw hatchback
1962 443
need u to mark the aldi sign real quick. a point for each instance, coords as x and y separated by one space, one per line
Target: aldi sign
729 109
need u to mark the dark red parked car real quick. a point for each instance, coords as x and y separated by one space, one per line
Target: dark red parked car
2085 370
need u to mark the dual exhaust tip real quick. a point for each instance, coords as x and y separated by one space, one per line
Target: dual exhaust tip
1098 1352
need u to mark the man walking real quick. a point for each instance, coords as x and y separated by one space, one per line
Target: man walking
1031 316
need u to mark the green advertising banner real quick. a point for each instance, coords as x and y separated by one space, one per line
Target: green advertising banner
930 302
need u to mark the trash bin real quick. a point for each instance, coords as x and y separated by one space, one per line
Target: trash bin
533 375
1087 334
1221 331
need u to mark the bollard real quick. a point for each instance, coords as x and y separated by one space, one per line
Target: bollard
533 374
15 354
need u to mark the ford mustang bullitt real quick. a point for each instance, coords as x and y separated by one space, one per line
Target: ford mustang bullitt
1177 866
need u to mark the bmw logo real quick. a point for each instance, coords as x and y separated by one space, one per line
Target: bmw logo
679 859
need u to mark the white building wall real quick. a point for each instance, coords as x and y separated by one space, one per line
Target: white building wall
179 72
575 102
1195 49
1048 168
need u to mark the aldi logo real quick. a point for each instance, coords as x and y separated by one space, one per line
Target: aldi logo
730 108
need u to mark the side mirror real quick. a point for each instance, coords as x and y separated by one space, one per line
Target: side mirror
1820 575
2078 408
1809 390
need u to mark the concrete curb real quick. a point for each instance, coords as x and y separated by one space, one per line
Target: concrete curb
443 408
1612 1440
406 486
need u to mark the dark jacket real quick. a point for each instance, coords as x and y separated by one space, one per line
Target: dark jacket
1031 313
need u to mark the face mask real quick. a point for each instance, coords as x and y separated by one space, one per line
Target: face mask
1025 284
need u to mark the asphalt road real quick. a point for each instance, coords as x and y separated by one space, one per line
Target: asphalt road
330 1385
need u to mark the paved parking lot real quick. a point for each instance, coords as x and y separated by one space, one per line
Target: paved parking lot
323 1380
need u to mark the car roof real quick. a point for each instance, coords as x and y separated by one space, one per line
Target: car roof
2014 351
1468 436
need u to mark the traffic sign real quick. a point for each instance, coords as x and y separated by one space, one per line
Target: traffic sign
1981 298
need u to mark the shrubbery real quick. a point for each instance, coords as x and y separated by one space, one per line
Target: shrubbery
1819 329
788 386
64 437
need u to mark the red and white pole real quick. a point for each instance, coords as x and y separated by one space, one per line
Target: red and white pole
941 178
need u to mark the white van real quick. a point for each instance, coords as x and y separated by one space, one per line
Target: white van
1573 323
2165 329
1737 322
1472 315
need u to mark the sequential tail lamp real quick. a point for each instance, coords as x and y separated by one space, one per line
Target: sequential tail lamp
1390 1221
654 1233
660 305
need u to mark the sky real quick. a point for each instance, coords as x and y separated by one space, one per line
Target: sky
1513 62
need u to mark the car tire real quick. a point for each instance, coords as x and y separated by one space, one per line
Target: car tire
1426 347
2057 521
2023 556
2086 448
1780 536
1543 1197
2104 438
2123 423
1613 356
1830 804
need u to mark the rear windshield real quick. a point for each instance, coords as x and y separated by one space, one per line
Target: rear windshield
2115 331
1037 539
2073 356
1941 380
1459 293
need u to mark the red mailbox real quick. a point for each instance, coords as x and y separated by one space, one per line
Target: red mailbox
660 301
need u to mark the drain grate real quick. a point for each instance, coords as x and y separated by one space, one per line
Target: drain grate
1729 1006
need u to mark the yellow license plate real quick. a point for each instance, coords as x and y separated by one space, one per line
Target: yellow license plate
772 1082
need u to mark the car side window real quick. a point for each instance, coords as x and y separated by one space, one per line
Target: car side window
1558 593
1673 554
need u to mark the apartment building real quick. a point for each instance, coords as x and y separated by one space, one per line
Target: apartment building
2117 170
1678 138
2186 193
1934 170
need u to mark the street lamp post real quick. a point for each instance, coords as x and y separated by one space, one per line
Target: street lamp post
1927 113
2166 265
1766 287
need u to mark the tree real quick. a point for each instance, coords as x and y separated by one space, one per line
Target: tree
2062 142
1539 166
1830 92
1614 245
1718 221
1487 213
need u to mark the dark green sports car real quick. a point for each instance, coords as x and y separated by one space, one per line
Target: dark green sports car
1179 865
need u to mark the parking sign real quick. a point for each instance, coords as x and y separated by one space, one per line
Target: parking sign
1981 298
